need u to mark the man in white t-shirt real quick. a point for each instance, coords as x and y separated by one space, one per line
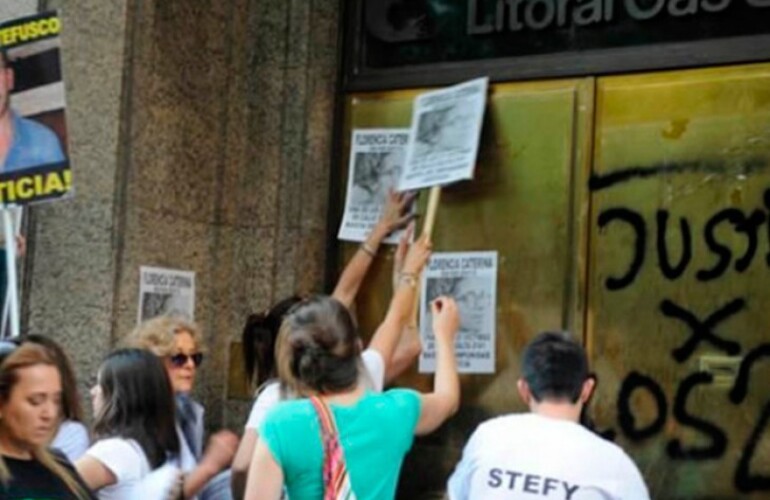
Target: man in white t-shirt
546 453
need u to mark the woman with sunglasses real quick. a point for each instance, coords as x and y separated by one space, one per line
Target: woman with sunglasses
177 342
136 452
30 393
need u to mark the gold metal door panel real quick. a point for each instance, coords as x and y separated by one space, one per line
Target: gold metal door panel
528 202
678 276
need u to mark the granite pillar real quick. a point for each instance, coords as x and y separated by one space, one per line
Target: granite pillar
201 139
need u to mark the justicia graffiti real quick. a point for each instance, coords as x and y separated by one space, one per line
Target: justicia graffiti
710 328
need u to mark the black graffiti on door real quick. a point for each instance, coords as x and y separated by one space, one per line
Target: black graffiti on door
704 328
702 331
747 224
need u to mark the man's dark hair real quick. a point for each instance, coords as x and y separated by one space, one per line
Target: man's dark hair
555 367
4 60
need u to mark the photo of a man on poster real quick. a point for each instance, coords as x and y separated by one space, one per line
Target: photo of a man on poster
34 164
24 143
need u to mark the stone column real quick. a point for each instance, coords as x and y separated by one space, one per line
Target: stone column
201 138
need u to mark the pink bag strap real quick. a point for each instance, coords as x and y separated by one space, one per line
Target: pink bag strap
335 472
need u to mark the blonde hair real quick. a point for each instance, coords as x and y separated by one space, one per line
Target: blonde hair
289 385
25 356
158 335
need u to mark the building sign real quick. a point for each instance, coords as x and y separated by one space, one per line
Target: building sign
407 33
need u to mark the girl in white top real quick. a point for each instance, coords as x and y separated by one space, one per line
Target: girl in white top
137 444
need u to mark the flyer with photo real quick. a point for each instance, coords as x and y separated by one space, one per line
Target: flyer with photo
166 292
445 134
471 279
376 160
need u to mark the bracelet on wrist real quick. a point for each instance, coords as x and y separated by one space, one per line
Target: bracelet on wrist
368 250
408 279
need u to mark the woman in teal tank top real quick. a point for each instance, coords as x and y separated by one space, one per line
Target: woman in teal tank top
318 352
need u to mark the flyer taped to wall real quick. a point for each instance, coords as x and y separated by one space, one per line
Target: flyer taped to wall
471 279
166 292
445 133
34 164
376 161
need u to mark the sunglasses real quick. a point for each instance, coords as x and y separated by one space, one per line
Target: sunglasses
179 360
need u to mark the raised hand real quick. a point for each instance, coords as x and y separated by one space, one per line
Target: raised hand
446 319
396 213
400 254
417 256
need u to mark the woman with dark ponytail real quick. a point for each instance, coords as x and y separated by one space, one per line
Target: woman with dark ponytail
258 340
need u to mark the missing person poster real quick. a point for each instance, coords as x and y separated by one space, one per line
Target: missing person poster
376 161
166 292
445 133
471 279
33 135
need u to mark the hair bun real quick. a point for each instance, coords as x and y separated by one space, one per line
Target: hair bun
320 349
310 363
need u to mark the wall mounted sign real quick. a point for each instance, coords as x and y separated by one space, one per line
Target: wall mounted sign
539 38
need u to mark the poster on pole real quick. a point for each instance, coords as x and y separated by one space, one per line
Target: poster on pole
34 164
166 292
445 133
376 161
471 279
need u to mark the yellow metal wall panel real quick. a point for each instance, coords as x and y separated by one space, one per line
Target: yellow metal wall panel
678 276
685 156
525 203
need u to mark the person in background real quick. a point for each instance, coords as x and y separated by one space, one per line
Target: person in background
177 342
134 429
389 353
30 393
71 437
546 452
